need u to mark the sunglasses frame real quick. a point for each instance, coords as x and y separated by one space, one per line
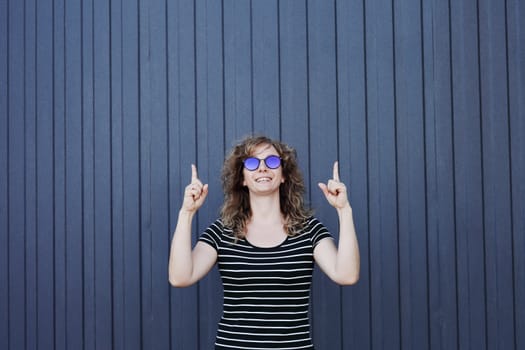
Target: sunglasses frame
265 162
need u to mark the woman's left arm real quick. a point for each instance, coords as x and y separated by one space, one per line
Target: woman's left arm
342 263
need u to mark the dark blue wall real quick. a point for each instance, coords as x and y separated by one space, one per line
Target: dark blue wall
105 104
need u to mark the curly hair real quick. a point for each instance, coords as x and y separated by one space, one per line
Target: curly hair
236 211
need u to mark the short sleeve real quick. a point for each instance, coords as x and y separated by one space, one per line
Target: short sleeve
212 235
317 231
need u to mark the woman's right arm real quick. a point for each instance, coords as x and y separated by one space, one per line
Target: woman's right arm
187 266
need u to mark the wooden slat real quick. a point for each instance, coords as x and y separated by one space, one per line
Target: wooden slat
16 226
4 175
184 332
59 162
45 176
158 166
352 149
208 154
88 186
117 179
238 70
496 176
411 186
384 244
131 274
293 82
146 99
515 29
468 176
102 175
442 274
30 210
323 152
265 67
73 174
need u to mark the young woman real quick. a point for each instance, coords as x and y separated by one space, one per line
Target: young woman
265 243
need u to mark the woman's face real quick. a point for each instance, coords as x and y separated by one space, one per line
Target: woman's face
263 180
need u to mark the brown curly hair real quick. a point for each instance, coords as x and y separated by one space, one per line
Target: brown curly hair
236 211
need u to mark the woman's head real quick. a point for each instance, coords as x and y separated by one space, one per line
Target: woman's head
236 210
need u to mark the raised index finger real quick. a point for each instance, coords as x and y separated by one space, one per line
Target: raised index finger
193 172
336 171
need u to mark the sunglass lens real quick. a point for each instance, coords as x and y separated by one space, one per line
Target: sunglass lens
251 163
272 162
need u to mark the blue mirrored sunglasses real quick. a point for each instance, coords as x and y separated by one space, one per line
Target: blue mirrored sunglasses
271 162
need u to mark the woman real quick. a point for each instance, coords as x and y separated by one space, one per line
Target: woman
265 244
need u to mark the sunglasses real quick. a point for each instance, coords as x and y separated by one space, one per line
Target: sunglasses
272 162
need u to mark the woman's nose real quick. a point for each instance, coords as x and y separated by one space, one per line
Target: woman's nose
262 166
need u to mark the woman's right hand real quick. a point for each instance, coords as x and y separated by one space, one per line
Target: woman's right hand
195 193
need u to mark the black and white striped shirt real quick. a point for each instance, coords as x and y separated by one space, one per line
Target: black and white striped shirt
266 290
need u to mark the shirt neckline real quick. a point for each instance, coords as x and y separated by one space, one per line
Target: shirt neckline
267 248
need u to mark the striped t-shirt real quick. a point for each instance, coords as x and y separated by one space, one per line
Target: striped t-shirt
266 290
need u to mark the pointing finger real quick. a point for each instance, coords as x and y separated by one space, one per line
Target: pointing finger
193 172
336 171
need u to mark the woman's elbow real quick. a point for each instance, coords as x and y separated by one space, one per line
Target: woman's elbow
348 280
179 283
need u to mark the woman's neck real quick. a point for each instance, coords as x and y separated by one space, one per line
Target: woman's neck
266 209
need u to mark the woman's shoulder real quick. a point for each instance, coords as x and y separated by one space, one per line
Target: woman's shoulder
316 230
217 234
313 226
217 225
218 228
311 221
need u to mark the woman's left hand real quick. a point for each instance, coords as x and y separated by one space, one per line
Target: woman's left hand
335 190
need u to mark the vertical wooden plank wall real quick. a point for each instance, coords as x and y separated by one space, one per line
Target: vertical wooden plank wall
104 106
352 149
515 34
410 168
30 193
439 155
4 176
496 176
16 226
384 248
468 169
45 177
322 134
208 136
